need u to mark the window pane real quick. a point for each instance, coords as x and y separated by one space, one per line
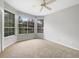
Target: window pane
11 31
21 30
22 25
6 31
26 25
26 30
6 17
40 26
11 20
9 23
31 26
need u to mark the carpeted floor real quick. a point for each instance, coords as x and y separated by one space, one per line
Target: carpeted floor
38 48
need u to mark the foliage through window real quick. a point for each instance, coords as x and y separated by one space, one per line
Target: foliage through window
31 26
9 23
40 25
26 25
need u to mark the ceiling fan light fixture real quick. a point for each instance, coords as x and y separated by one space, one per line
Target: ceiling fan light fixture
44 4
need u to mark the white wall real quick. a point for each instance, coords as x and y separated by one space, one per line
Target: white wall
39 36
1 23
9 40
1 4
0 29
63 27
23 37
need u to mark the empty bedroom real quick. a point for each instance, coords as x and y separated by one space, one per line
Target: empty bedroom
39 28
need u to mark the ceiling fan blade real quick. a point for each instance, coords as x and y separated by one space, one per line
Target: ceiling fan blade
48 8
51 1
41 8
44 1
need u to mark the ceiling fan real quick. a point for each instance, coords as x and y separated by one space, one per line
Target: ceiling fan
45 3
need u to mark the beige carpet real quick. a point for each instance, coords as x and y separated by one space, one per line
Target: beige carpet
38 48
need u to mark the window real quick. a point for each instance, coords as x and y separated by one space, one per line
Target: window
22 25
31 26
9 23
26 25
40 26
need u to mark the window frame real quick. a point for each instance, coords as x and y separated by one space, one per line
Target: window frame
11 24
